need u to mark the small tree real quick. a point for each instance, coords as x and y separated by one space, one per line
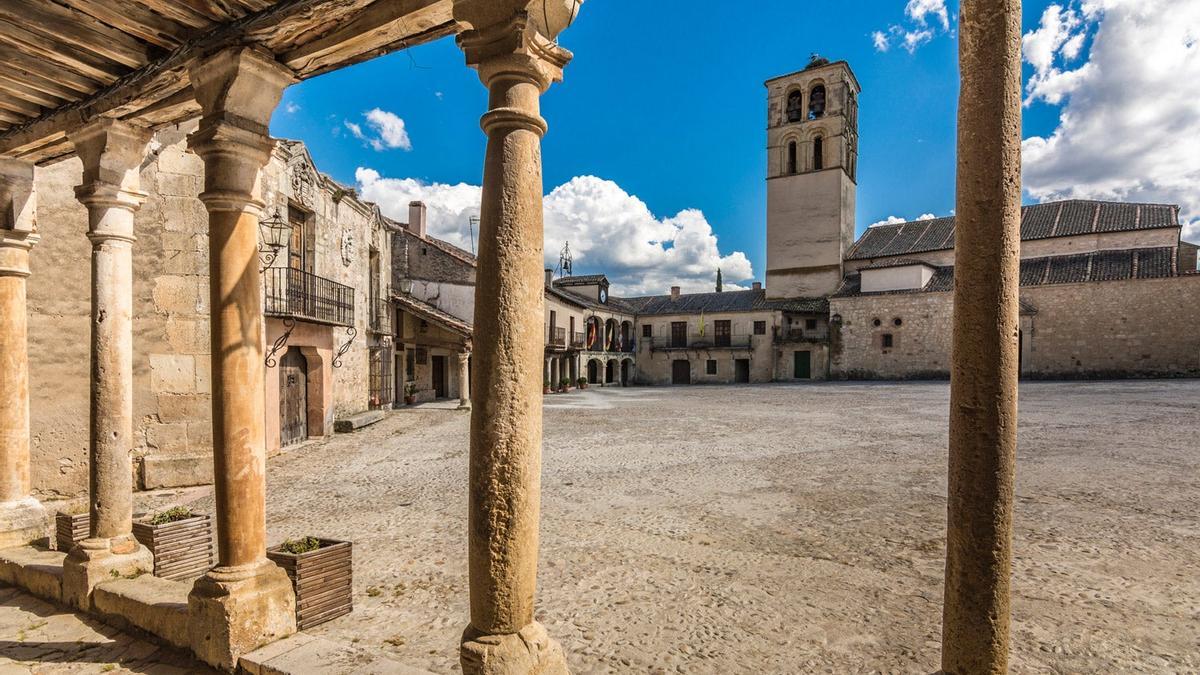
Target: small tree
719 285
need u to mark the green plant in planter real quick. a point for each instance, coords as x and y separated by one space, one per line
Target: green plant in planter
171 515
565 383
301 545
582 382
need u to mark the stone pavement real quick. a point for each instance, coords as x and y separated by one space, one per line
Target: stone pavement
38 637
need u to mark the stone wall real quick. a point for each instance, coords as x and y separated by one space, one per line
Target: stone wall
172 403
418 258
1132 328
655 362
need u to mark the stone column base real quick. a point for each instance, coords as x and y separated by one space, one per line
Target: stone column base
235 610
464 406
94 561
531 651
21 521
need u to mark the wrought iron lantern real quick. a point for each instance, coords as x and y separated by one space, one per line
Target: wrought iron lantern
275 231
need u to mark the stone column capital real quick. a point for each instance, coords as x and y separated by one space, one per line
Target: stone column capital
513 48
112 152
238 90
18 202
14 252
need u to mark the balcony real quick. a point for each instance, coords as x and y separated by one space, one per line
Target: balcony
381 316
296 294
802 335
696 341
577 341
558 337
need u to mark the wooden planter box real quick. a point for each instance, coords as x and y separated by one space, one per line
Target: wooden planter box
322 581
183 549
70 530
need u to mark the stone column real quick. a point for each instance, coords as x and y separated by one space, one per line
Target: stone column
112 152
517 61
464 381
983 386
22 518
246 601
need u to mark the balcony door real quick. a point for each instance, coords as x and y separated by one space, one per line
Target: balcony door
722 332
296 241
678 333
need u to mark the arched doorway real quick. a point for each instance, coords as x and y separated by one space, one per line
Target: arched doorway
610 372
293 397
593 371
626 372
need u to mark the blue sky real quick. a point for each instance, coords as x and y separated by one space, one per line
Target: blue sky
665 100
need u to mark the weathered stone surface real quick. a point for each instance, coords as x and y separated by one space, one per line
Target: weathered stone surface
157 606
94 561
22 521
229 618
37 570
528 652
165 471
167 438
356 422
172 373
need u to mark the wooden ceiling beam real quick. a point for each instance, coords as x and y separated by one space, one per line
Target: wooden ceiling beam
44 76
19 105
159 93
19 89
133 19
191 12
63 54
78 29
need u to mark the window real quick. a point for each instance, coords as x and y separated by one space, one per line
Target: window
647 330
424 250
722 331
876 323
818 154
791 157
422 356
816 102
760 327
795 107
678 333
810 324
711 367
888 342
897 322
296 240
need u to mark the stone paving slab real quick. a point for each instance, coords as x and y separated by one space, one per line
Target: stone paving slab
44 639
304 654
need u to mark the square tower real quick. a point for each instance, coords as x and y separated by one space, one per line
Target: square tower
812 159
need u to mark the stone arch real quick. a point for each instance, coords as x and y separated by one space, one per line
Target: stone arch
818 152
626 372
794 106
595 371
610 371
595 334
626 336
610 335
817 100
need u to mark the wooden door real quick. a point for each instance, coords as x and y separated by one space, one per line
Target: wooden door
741 371
681 372
293 397
803 366
438 365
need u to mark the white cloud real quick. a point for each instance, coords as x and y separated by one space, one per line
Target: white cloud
925 20
917 10
1129 127
896 220
610 231
387 131
880 39
291 107
915 39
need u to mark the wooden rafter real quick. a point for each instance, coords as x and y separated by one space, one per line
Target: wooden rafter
134 19
78 29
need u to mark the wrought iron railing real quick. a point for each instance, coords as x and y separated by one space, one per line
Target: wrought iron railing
381 316
802 335
577 341
558 337
706 341
302 295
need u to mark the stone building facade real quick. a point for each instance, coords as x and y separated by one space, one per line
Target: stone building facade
338 241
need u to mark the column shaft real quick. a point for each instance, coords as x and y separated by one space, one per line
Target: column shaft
22 518
464 380
14 371
983 391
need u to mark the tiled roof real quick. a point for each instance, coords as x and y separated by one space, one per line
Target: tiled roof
1141 263
1039 221
430 313
583 280
895 262
728 301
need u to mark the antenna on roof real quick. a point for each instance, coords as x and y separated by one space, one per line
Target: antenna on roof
472 222
564 261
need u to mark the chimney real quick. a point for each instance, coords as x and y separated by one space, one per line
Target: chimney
674 292
758 285
417 218
549 277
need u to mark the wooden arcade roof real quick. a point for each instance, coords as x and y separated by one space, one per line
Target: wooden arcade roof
63 62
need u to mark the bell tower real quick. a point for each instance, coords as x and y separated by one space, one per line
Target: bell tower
812 162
